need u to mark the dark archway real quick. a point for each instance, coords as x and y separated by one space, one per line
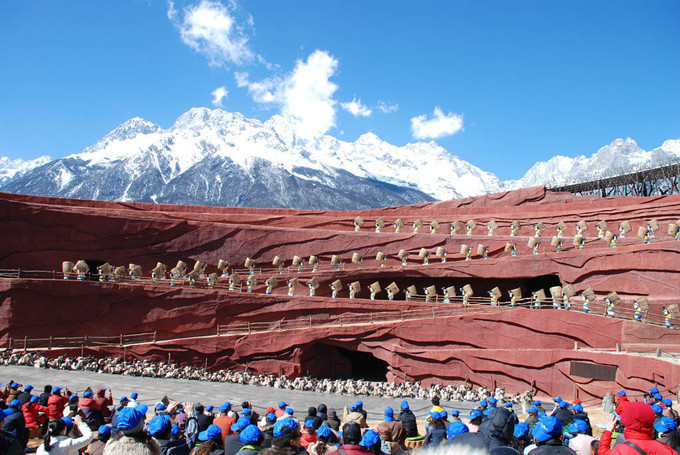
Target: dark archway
321 360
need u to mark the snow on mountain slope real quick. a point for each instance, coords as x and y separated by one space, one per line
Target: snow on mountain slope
11 169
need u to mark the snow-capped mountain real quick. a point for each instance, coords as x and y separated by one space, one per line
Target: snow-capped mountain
214 157
12 169
222 158
620 157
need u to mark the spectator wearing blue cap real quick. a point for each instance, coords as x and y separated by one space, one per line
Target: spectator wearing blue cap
621 402
56 441
13 392
103 436
521 437
475 420
668 410
312 415
392 431
210 441
324 445
32 414
360 408
251 437
14 423
308 433
282 409
666 430
25 396
55 404
160 427
91 409
247 408
580 441
456 429
539 405
532 416
580 414
224 420
547 434
436 431
268 429
286 436
564 414
408 419
370 441
232 443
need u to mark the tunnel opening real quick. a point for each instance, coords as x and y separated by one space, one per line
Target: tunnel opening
321 360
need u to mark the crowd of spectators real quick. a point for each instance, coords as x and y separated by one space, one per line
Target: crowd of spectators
146 368
58 421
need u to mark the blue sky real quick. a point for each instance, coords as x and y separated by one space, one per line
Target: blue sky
500 84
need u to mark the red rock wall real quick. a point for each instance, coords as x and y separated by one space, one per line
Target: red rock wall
42 232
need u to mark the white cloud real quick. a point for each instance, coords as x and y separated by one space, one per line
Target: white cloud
218 95
439 125
357 109
387 108
304 95
211 29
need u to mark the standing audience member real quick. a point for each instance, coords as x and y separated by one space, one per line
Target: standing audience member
56 442
638 420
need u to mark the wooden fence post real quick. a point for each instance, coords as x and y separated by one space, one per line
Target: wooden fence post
154 336
25 342
121 339
50 346
249 327
310 321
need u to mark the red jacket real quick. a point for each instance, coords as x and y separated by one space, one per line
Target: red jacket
639 421
89 403
55 405
353 449
621 403
31 411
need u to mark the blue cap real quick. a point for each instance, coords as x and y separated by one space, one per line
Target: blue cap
404 405
160 407
455 413
370 439
657 409
443 414
483 403
134 395
359 404
323 432
474 414
654 390
546 428
521 430
284 426
159 425
309 423
579 426
13 385
15 404
28 388
174 431
212 433
225 407
246 412
68 421
487 411
557 399
104 430
456 428
493 400
532 409
290 411
658 396
210 408
87 394
665 424
537 402
250 434
56 389
35 399
389 414
434 415
564 404
131 420
508 404
621 393
271 417
282 404
241 423
73 397
667 402
577 407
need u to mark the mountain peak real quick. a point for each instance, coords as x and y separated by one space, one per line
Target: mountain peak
131 128
201 117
